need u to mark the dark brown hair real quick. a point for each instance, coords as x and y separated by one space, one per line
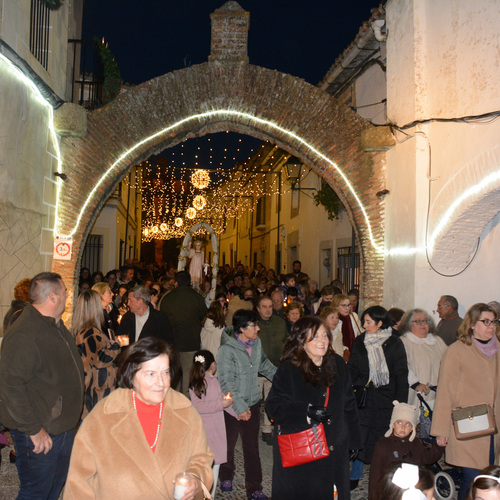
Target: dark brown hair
197 376
216 314
142 351
304 330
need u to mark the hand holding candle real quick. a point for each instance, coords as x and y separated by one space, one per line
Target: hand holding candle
185 486
123 340
227 400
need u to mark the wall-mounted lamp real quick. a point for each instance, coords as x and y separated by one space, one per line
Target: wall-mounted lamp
64 177
293 172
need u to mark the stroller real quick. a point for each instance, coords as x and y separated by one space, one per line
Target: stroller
447 480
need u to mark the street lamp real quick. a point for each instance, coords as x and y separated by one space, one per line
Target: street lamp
293 171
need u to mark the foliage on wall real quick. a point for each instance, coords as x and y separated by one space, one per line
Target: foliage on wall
329 199
52 4
112 75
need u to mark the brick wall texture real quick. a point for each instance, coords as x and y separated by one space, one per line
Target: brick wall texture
226 82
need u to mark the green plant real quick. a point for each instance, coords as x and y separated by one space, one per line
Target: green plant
52 4
112 75
327 197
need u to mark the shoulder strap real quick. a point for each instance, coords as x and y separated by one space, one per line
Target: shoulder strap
327 396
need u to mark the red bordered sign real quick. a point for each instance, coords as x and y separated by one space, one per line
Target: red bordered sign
63 248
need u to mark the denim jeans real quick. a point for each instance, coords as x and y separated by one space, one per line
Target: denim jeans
468 473
357 470
42 476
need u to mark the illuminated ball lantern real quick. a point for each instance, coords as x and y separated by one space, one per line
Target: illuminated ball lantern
178 222
199 202
200 179
190 213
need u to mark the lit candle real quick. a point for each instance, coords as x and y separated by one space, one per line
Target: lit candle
182 481
123 340
228 396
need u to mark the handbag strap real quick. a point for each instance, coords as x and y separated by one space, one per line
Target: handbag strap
327 396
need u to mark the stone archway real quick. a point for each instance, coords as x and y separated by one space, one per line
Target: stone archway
225 94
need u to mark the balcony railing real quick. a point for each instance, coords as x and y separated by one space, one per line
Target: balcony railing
88 74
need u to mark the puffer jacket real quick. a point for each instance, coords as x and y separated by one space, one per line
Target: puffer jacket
238 370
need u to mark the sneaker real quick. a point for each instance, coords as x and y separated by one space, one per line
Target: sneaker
258 495
226 485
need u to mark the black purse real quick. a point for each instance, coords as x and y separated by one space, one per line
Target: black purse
360 392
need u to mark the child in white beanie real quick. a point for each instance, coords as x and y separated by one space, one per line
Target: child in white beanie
400 445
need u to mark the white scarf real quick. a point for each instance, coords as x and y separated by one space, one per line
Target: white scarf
429 340
379 372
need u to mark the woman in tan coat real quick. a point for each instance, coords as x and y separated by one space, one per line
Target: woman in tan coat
135 441
469 375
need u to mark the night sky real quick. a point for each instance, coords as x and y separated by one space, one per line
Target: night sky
152 37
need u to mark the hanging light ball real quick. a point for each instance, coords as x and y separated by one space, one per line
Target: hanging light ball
155 229
146 231
178 222
163 226
199 202
200 179
190 213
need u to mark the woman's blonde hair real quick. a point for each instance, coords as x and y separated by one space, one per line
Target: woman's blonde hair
337 299
466 329
88 312
101 288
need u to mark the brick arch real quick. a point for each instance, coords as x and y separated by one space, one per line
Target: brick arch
462 209
210 98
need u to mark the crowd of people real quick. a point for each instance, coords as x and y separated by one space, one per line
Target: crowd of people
157 377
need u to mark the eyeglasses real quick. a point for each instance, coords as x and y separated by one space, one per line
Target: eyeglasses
251 325
344 305
489 322
420 322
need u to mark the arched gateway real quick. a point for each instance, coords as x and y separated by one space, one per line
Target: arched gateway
226 93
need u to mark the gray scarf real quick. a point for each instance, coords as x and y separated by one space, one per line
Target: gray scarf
379 372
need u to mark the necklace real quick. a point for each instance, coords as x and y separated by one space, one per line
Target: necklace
159 419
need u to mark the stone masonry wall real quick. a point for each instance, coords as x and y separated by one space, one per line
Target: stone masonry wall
286 102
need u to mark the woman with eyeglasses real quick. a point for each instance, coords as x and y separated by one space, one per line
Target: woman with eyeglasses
240 361
424 351
378 366
351 326
469 375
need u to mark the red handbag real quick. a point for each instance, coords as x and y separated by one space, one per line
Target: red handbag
305 446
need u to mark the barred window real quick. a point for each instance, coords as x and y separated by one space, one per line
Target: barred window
39 32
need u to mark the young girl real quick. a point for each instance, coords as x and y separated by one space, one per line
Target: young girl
206 396
486 486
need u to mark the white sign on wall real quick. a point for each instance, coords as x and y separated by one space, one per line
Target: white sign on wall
63 248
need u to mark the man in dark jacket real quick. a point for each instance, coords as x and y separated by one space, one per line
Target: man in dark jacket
143 320
186 310
41 389
273 334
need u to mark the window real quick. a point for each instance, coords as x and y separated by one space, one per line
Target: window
347 270
91 257
260 212
39 32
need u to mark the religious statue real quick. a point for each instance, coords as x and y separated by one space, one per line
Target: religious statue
197 265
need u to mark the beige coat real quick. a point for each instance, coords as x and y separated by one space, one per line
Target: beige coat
466 378
112 459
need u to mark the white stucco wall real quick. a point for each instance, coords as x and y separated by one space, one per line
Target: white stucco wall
27 184
443 61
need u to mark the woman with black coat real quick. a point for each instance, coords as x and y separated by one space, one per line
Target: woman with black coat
378 365
310 366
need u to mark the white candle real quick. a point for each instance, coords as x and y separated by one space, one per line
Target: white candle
181 485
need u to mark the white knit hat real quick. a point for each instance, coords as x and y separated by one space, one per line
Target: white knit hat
403 411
